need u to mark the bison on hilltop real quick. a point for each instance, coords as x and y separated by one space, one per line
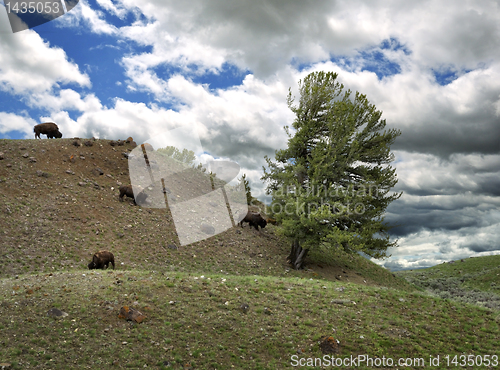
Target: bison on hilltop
127 190
255 220
48 128
102 259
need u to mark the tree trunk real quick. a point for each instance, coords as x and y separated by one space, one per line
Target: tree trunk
297 255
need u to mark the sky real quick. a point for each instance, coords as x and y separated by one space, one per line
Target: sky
114 69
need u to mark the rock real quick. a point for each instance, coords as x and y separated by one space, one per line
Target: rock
113 143
76 142
244 307
125 154
88 143
98 171
131 314
70 172
26 155
120 143
54 312
32 159
207 229
329 345
42 174
8 165
5 365
81 183
2 156
172 246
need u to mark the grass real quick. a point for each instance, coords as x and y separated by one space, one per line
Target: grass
474 280
198 321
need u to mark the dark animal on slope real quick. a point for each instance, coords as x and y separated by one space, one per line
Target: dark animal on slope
48 128
255 220
127 190
101 259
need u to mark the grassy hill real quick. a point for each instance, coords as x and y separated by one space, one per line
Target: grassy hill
60 205
473 280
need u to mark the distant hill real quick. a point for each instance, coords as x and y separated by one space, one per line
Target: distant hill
474 280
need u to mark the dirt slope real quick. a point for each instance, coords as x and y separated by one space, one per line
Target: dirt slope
60 205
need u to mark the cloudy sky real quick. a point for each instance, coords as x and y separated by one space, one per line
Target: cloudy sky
113 69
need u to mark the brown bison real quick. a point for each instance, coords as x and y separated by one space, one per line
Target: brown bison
255 220
48 128
127 190
101 259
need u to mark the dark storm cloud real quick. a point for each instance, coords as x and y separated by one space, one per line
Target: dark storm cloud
478 133
409 219
445 194
480 247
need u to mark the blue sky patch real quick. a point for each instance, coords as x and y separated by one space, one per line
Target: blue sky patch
376 61
227 77
373 59
15 135
394 44
445 76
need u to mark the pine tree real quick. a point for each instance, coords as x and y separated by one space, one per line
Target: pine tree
331 185
244 182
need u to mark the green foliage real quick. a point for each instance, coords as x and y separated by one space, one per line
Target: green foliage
473 280
331 185
186 156
248 190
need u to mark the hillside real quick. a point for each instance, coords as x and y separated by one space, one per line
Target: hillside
60 205
230 301
474 280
